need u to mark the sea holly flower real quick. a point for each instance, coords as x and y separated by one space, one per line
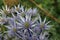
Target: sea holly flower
5 10
17 10
42 25
27 24
8 11
13 29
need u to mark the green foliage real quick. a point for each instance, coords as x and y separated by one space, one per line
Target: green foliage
1 3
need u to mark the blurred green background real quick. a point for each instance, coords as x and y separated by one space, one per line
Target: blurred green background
53 6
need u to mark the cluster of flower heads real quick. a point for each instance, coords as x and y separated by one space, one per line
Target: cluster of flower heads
22 24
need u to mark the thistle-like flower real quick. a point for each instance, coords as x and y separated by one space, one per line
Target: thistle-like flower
14 29
24 25
41 27
5 10
44 24
27 24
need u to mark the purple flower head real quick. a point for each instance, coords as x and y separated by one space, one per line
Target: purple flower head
14 29
27 24
24 24
41 26
44 24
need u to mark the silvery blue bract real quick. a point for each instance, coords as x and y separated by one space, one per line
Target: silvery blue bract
22 25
